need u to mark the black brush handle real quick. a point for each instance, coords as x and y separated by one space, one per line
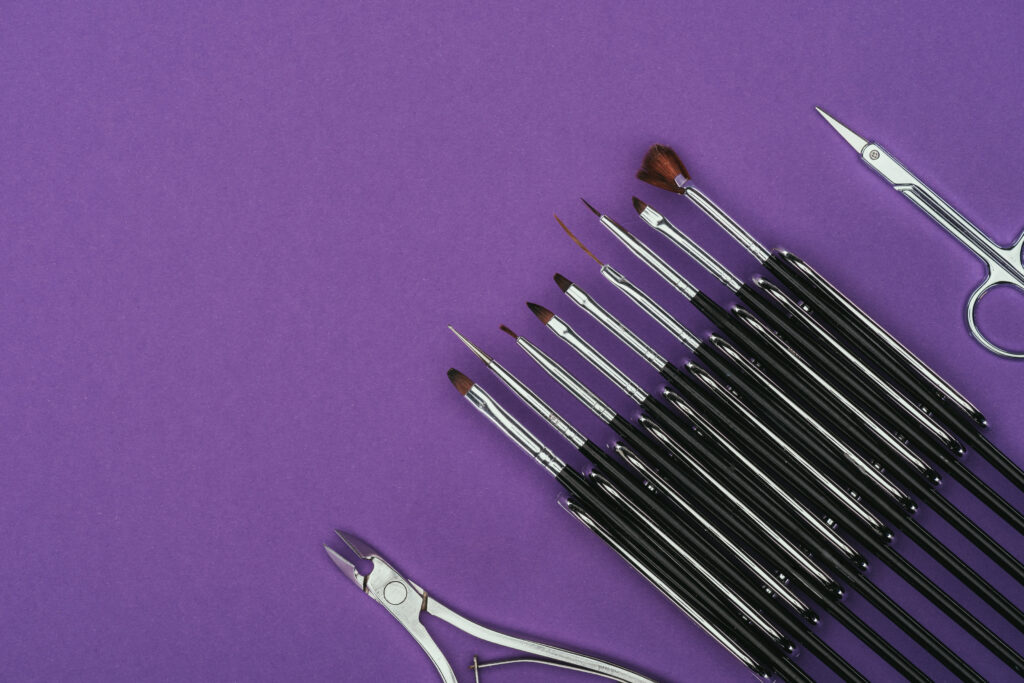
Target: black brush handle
669 563
608 532
627 528
651 453
747 489
691 536
790 375
794 426
919 581
740 431
862 339
847 379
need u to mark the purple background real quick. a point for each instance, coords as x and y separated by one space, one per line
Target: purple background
233 237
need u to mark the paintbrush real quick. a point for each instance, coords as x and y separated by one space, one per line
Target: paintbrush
809 482
657 515
850 372
696 580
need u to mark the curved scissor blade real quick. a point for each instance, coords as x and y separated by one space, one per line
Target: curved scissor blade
855 141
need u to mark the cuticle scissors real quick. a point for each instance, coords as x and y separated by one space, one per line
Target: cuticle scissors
1005 266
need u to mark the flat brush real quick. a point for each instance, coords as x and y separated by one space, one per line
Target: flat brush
893 407
698 585
734 515
767 495
611 477
809 338
809 482
790 367
662 168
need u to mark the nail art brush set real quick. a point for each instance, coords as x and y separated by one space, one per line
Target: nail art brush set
779 461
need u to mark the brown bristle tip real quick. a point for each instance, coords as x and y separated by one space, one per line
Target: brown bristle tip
509 332
462 383
639 205
576 240
662 168
563 282
596 212
543 314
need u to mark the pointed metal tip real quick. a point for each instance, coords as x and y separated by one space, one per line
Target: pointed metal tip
857 142
472 347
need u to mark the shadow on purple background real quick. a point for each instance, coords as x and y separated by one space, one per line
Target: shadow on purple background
233 237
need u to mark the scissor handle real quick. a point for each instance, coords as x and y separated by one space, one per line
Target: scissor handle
997 276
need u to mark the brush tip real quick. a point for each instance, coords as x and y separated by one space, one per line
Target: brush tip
543 314
662 168
461 383
576 239
507 330
596 212
563 282
639 205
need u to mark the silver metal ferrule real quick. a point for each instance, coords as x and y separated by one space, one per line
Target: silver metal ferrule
706 625
514 430
594 357
883 435
691 248
584 395
735 230
827 533
647 255
778 539
922 418
845 498
878 479
696 566
537 405
650 307
613 325
772 582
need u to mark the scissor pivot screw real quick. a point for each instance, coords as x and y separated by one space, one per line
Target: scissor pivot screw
874 154
395 593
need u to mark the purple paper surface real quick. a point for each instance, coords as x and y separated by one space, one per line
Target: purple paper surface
234 234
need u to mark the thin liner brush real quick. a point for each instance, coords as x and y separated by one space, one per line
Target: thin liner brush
848 515
808 338
712 595
734 515
791 367
766 495
904 416
662 168
661 516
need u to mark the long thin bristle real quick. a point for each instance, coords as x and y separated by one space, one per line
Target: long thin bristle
563 282
508 331
662 168
462 383
596 212
639 205
543 314
576 239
